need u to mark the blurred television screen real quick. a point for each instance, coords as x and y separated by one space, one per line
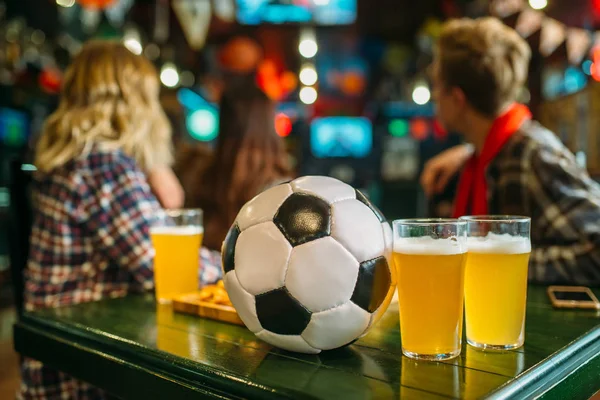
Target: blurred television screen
14 127
320 12
341 137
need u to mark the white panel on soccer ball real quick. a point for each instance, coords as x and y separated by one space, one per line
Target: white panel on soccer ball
357 229
388 237
329 189
321 274
336 327
261 257
287 342
263 207
244 301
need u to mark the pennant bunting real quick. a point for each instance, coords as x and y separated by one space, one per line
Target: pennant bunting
529 22
194 16
117 11
506 8
224 9
578 43
90 18
552 35
596 39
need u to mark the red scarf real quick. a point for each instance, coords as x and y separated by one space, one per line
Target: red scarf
471 197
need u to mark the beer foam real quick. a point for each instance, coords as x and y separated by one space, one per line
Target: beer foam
430 246
499 244
177 230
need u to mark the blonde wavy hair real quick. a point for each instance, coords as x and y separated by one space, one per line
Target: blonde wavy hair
110 99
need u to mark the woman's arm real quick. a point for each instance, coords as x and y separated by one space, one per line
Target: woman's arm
166 187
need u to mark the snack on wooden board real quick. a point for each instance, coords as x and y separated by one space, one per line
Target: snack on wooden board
215 294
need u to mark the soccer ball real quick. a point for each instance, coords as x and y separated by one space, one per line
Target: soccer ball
307 264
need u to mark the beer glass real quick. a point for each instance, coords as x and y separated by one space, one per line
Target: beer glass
176 237
496 280
430 258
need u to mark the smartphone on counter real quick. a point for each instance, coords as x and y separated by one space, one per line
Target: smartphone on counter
573 297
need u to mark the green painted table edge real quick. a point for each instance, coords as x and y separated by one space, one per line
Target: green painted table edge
35 335
191 377
544 378
583 383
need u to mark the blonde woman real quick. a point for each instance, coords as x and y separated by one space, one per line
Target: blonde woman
93 203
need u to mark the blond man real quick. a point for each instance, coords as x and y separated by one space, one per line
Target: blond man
512 164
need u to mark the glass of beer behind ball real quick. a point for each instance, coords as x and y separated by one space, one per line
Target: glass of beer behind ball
496 280
430 258
176 237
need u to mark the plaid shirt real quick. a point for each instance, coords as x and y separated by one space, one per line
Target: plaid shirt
90 240
535 175
90 237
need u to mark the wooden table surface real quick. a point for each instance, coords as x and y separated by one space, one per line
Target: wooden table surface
136 349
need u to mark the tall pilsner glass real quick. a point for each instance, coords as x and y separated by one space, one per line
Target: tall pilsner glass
496 280
177 237
430 256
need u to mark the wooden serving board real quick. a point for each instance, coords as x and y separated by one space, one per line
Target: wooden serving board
189 303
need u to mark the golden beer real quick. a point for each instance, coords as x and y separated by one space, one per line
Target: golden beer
496 290
430 296
176 266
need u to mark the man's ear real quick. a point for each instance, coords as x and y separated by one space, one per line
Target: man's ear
459 97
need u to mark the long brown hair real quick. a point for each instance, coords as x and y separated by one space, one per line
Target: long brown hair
249 156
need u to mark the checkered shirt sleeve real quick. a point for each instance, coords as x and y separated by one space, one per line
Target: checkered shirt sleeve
210 267
537 176
565 204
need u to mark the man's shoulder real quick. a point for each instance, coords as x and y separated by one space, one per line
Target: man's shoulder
530 141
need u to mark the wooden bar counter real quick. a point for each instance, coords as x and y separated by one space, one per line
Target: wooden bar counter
136 349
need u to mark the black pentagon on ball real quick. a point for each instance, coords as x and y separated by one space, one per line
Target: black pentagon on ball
302 218
228 254
372 285
279 312
363 199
